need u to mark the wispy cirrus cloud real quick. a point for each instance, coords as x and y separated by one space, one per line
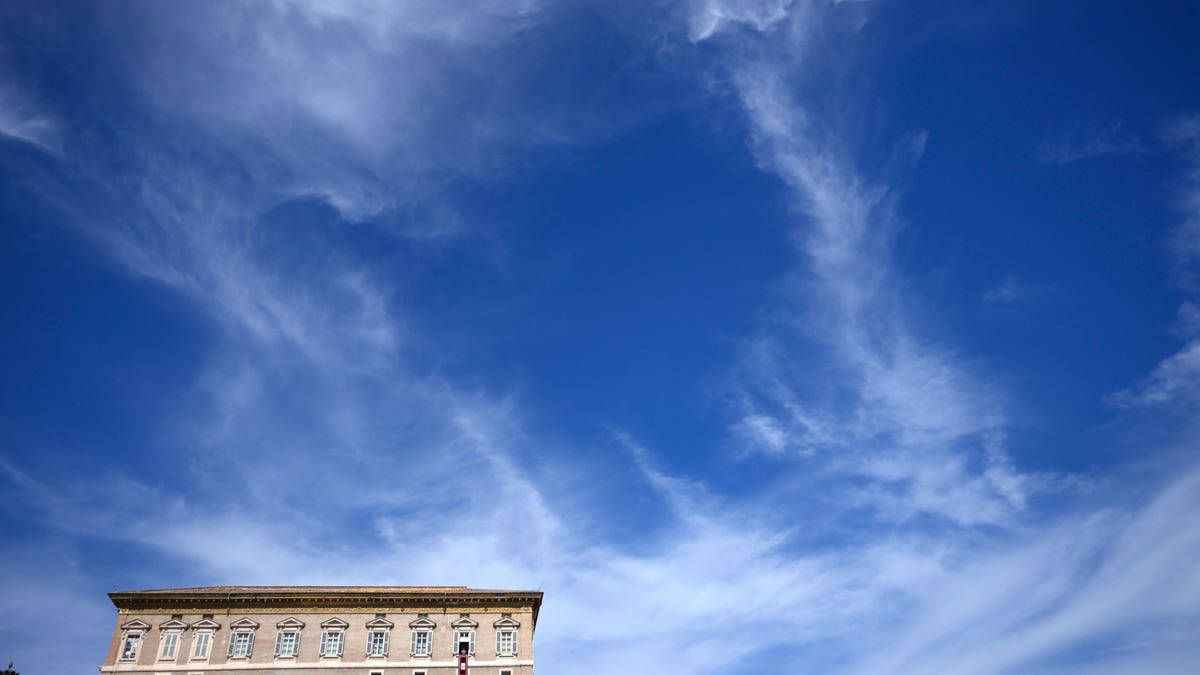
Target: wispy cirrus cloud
926 435
1175 381
917 410
319 444
23 118
1092 593
1088 142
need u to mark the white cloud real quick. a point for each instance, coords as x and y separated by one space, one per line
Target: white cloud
1098 587
919 419
1176 380
314 453
707 16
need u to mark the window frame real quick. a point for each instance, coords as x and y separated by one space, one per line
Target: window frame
237 629
136 630
427 635
171 638
294 650
207 642
293 627
341 642
502 631
384 636
329 627
470 633
236 643
138 637
379 637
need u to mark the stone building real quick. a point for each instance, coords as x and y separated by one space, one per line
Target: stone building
326 630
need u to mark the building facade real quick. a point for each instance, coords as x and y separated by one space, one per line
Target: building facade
335 630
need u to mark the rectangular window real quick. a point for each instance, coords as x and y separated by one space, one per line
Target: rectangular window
421 643
506 642
377 643
130 649
506 672
170 642
287 643
462 637
241 644
200 646
331 643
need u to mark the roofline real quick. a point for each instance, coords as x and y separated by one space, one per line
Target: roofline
227 597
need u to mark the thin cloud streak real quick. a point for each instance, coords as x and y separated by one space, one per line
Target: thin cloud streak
1107 575
916 406
1088 142
24 119
1175 381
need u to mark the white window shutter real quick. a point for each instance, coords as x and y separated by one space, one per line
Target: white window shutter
472 634
250 646
413 648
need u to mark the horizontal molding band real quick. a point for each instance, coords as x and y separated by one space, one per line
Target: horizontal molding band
288 665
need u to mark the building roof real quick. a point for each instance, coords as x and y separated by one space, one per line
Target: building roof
248 597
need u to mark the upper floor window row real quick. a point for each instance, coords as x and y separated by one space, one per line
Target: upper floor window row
332 644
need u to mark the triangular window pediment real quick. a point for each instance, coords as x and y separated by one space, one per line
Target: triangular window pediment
244 624
379 623
290 623
173 624
206 624
507 623
334 624
422 624
136 624
465 624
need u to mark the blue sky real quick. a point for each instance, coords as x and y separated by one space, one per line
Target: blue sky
860 336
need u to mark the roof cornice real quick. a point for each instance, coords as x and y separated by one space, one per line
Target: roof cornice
267 597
